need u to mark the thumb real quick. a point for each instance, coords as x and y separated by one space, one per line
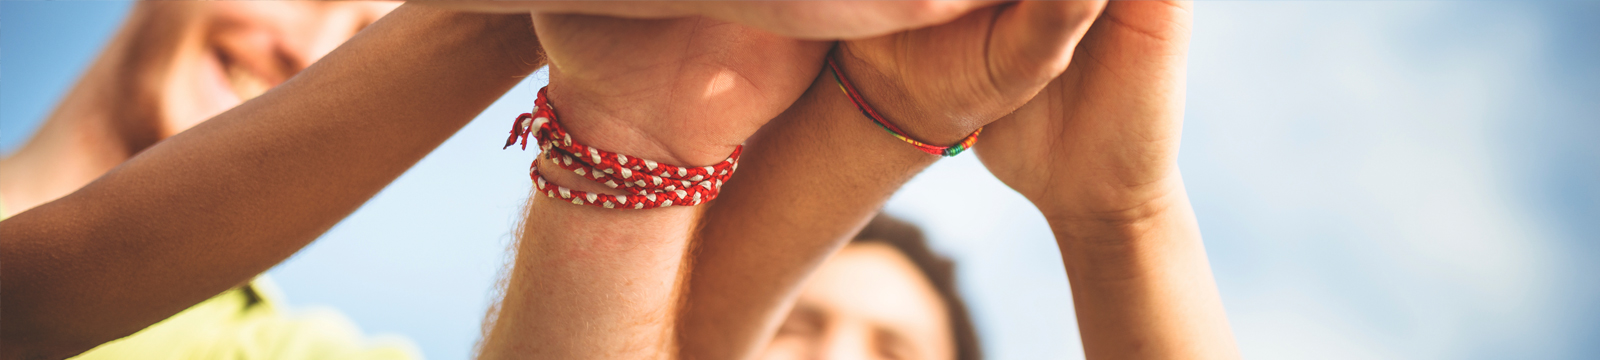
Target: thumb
1031 42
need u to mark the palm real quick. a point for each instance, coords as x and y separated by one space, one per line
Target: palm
1102 137
688 89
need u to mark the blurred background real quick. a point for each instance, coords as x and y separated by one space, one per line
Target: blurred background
1375 180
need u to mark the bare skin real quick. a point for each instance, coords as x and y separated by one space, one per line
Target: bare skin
1141 284
868 301
821 170
171 66
640 266
590 282
811 19
1096 151
673 98
90 267
76 152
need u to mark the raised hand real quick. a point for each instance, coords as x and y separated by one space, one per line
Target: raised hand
1096 151
1101 141
682 91
943 82
821 170
831 19
605 283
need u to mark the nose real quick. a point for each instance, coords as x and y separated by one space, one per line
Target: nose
847 341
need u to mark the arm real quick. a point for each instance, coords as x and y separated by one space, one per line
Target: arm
1141 285
591 282
809 181
1111 190
212 207
820 171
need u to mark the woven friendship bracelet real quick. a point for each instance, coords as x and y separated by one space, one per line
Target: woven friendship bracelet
861 103
650 184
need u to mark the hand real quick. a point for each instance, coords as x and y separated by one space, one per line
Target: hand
941 83
1101 141
682 91
591 282
841 19
1097 151
799 19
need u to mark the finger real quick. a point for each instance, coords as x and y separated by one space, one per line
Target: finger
842 19
1157 30
1032 42
1145 43
624 9
1129 78
906 15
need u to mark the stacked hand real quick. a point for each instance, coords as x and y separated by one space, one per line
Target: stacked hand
1088 132
1100 142
690 89
943 82
682 90
817 20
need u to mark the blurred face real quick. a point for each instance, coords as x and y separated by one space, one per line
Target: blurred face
193 60
867 302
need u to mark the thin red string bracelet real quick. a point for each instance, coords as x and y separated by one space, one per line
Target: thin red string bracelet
650 184
861 103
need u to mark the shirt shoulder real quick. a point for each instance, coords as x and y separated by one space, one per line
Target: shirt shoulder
249 323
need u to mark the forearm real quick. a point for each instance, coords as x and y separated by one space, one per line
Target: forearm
212 207
592 283
810 179
1142 287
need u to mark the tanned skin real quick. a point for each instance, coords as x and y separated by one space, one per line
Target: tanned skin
212 207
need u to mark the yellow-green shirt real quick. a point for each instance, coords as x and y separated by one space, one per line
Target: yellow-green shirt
249 323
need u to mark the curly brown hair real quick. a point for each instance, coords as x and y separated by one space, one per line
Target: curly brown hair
908 239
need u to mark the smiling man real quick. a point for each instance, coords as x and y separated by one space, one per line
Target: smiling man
171 66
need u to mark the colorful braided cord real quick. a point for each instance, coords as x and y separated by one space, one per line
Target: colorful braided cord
861 103
650 184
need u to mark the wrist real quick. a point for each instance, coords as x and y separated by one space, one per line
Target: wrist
1115 215
509 37
610 122
828 112
1128 246
516 40
900 104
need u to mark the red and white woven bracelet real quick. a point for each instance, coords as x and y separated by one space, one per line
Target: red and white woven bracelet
650 184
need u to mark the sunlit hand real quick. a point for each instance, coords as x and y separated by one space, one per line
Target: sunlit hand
683 91
831 19
597 283
1097 152
943 82
1100 142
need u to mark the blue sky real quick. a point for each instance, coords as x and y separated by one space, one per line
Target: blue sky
1380 180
